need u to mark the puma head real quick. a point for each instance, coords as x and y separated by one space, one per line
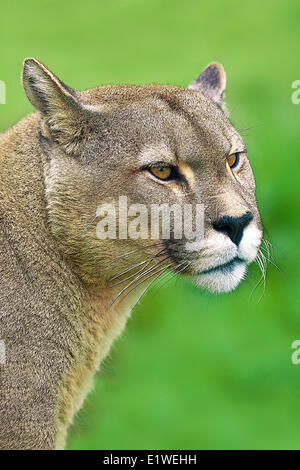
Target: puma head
154 144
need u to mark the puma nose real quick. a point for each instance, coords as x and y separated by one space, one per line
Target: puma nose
233 226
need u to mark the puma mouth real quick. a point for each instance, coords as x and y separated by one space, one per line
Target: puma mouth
225 268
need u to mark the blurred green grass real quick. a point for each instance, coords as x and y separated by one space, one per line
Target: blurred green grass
191 370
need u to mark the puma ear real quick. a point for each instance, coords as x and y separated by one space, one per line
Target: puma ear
211 82
63 117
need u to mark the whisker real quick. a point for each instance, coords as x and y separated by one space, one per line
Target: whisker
262 266
138 264
132 282
129 269
109 262
142 271
269 260
174 274
253 127
148 287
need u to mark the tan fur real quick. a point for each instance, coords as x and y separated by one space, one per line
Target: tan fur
78 150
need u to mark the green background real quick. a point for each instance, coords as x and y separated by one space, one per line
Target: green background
192 370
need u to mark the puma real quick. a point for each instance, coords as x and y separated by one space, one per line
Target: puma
66 293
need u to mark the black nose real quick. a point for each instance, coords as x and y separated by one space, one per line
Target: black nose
233 226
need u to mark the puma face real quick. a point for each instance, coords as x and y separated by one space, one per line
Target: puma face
155 145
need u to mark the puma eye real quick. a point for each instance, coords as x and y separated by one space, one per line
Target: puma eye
164 173
233 160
